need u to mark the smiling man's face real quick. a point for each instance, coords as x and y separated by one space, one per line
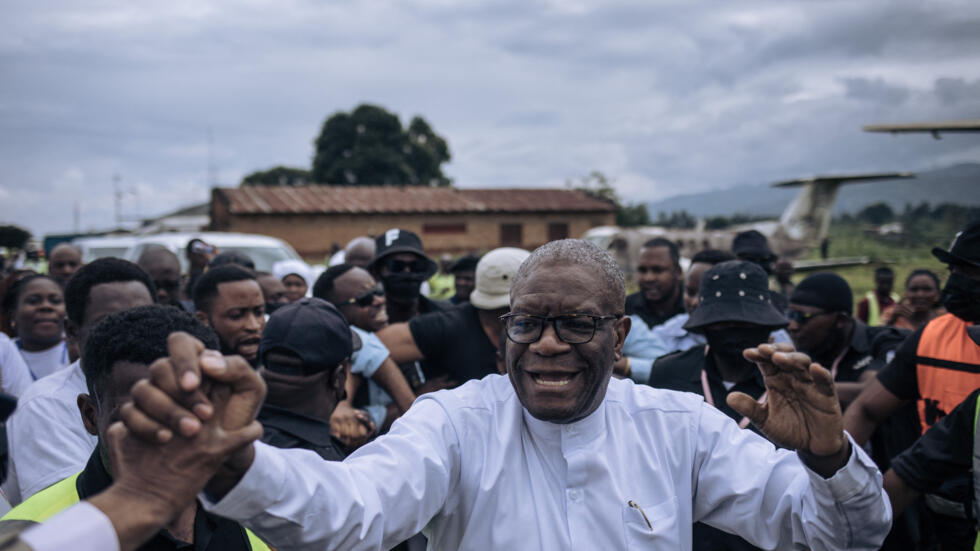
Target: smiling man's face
557 381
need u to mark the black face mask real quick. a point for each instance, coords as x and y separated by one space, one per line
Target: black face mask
961 297
728 344
403 286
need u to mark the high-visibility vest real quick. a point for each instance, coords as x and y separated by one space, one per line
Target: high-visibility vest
947 367
874 308
62 495
976 473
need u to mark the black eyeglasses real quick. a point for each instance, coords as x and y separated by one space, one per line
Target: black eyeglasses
417 266
570 328
803 317
366 298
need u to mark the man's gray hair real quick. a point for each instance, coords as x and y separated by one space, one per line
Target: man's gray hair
577 251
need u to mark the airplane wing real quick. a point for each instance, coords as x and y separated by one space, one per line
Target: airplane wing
843 178
934 128
825 264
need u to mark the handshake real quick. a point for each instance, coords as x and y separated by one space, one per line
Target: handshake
189 427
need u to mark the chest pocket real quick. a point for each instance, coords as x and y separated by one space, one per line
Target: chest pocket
647 526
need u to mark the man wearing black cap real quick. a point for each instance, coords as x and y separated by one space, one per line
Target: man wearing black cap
306 348
464 278
752 246
658 273
821 326
401 266
936 366
734 312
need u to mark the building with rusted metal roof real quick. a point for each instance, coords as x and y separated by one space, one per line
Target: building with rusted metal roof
314 218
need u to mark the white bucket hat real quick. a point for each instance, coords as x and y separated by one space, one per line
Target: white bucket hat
494 274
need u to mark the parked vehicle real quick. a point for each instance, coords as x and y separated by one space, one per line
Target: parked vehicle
262 249
99 247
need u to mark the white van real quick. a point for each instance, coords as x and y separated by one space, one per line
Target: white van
99 247
262 249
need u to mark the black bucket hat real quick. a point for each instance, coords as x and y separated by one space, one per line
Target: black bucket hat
735 291
965 248
396 241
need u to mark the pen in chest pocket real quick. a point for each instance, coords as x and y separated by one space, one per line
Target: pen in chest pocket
636 506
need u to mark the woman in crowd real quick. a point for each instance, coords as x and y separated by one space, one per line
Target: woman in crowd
6 324
920 303
36 306
295 275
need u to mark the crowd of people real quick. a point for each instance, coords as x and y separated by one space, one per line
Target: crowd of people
514 400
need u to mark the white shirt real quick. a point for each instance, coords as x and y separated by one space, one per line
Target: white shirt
14 372
81 527
472 470
45 362
45 435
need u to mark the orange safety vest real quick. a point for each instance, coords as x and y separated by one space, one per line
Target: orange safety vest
947 367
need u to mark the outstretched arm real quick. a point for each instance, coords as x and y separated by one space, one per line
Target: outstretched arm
872 406
389 490
390 378
398 339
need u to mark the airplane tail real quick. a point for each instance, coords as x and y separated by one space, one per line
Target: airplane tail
807 218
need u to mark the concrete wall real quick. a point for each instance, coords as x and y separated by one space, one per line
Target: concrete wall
313 235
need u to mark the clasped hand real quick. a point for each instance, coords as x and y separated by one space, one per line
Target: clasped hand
198 410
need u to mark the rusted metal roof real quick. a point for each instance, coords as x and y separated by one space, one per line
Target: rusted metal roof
320 199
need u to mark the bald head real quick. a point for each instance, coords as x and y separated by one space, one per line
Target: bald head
65 260
577 252
163 267
359 252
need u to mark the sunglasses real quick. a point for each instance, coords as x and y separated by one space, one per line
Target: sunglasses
364 299
802 318
417 266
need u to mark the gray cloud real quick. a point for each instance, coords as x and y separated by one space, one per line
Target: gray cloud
665 97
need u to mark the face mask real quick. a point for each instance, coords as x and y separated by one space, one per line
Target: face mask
403 286
961 297
728 344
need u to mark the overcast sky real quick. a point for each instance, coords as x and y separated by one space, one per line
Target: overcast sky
665 97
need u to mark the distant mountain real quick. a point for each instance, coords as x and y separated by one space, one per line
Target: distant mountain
956 184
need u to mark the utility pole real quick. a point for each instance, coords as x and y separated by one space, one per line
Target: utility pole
212 168
117 196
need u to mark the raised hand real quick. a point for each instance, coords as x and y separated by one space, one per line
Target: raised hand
190 387
801 411
152 483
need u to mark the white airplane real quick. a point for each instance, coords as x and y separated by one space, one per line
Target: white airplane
803 225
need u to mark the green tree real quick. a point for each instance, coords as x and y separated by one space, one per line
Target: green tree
368 146
877 213
13 237
597 185
676 219
278 176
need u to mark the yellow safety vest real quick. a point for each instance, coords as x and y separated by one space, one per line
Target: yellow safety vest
62 495
874 309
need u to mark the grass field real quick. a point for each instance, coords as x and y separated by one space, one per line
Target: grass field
903 255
